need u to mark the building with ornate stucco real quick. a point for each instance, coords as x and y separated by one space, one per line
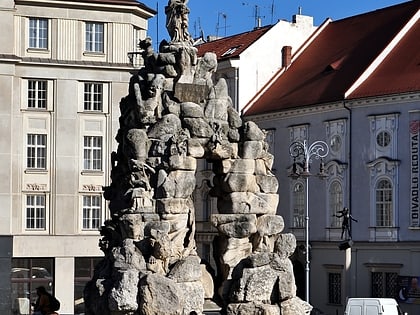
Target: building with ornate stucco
356 86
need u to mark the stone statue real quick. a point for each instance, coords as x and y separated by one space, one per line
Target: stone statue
149 56
173 115
159 260
177 20
345 225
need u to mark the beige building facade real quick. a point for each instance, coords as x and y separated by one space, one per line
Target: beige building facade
63 70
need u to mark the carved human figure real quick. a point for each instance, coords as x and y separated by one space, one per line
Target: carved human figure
177 20
140 174
179 142
149 57
110 236
161 244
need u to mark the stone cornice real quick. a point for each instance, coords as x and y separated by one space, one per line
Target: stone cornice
384 100
137 8
64 63
298 111
328 107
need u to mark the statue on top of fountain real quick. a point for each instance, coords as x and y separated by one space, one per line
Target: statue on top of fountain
177 21
178 57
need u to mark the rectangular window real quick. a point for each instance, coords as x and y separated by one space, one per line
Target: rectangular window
37 94
35 212
206 254
84 268
92 153
95 37
384 284
207 207
93 97
37 151
38 33
299 205
334 288
384 202
336 203
92 212
26 275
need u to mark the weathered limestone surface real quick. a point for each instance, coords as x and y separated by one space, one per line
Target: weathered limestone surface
174 114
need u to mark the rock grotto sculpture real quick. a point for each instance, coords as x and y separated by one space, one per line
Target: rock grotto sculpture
173 115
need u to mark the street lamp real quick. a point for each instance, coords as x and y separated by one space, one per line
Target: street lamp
297 150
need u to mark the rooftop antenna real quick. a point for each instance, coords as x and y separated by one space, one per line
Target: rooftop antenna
157 26
224 16
272 12
257 16
199 32
200 29
195 29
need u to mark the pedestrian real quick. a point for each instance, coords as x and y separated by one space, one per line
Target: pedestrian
42 306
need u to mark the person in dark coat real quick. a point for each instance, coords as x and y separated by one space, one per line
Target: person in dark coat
42 304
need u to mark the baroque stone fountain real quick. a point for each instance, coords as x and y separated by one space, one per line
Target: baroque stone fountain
173 115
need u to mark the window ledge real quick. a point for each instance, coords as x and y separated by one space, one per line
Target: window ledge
36 171
35 109
92 112
90 232
38 50
35 231
94 54
92 173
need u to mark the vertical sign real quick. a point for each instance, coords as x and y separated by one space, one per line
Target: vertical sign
414 153
409 289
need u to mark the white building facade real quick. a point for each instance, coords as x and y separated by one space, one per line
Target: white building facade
63 71
247 63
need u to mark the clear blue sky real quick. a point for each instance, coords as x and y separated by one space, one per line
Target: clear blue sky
229 17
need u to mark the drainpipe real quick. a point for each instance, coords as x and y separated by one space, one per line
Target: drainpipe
348 254
349 155
236 105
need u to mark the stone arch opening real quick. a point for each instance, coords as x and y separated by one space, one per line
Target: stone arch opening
173 115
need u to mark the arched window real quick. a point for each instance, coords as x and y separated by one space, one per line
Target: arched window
207 205
384 211
298 205
336 202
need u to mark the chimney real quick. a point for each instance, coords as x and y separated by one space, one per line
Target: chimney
286 52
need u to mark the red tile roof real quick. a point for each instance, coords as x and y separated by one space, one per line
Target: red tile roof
235 44
338 56
400 71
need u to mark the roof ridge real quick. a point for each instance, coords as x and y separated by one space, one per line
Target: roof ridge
376 11
380 58
361 52
239 34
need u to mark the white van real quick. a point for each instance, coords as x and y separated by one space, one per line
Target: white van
372 306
